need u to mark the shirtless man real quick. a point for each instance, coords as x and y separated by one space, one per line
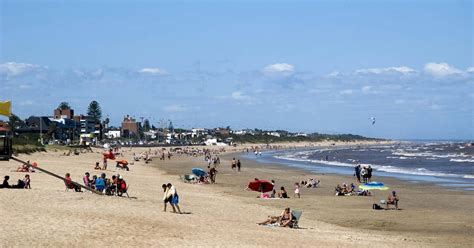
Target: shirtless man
392 199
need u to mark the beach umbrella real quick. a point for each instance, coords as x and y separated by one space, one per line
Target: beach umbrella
260 186
374 186
198 172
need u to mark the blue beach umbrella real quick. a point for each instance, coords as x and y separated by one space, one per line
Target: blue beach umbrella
374 186
198 172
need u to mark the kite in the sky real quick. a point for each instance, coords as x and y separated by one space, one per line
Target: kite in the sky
373 120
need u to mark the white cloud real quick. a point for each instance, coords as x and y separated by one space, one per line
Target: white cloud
470 69
16 69
24 86
346 92
401 69
368 90
400 101
26 103
238 95
441 69
333 74
175 108
279 69
153 71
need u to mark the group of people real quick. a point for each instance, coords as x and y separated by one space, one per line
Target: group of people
350 190
236 164
24 183
311 183
364 172
26 168
110 186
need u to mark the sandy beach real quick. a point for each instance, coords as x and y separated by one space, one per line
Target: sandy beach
221 214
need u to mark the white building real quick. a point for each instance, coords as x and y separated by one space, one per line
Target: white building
214 142
113 134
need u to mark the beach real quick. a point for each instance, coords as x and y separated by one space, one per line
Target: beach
222 214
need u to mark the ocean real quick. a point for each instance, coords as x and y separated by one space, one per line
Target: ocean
449 164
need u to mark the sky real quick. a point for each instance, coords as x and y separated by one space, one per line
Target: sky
313 66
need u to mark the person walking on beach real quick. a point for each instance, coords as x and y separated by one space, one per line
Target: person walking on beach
357 172
363 173
173 194
234 164
297 190
212 174
369 174
166 198
238 165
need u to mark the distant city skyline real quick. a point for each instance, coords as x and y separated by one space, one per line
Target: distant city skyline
306 66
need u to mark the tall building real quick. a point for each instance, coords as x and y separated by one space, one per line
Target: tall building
130 126
63 113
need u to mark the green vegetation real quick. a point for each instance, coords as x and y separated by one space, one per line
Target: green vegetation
315 137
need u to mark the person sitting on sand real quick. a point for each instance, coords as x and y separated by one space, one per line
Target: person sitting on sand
97 166
70 184
338 190
121 186
5 183
392 200
286 218
111 185
86 179
27 182
92 182
282 193
100 182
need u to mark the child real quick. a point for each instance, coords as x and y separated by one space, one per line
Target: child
297 190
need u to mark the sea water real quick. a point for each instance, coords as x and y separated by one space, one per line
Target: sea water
449 164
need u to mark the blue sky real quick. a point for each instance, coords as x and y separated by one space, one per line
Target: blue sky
324 66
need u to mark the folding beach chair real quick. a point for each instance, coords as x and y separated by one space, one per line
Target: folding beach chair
188 178
296 217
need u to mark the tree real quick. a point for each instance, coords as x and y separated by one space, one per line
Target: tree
64 105
15 122
94 111
146 125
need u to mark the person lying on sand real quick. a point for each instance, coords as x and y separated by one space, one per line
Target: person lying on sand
272 220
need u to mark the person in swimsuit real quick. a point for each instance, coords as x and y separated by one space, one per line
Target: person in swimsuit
286 218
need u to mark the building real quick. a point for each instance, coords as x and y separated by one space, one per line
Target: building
63 113
222 131
130 127
113 134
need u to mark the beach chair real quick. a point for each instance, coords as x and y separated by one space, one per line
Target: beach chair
124 192
188 178
296 215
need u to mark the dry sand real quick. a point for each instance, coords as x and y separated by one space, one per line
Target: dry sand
222 214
